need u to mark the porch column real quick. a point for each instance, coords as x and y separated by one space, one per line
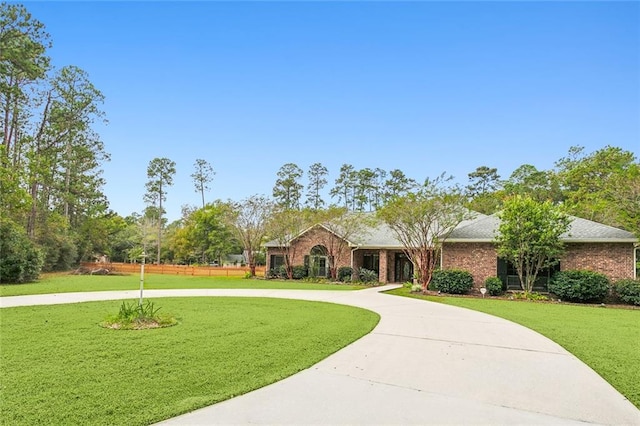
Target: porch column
383 273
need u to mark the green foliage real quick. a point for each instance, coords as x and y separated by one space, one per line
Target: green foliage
299 272
345 274
202 176
20 260
317 181
134 316
579 286
533 296
423 220
494 286
628 291
529 236
452 281
287 190
603 186
367 275
60 251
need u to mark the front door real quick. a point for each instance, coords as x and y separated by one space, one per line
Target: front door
403 268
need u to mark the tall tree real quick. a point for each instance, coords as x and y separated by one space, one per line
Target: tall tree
423 220
160 173
23 62
482 180
202 176
288 189
250 218
527 180
601 186
398 184
529 236
344 186
317 180
365 188
482 190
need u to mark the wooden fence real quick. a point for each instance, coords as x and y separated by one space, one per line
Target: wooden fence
200 271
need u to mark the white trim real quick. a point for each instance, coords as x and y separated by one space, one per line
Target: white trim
636 247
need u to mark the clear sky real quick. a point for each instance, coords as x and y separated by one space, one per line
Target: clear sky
424 87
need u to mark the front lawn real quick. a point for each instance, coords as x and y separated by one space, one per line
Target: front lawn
59 367
66 283
606 339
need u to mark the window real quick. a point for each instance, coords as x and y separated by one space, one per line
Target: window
317 261
371 261
276 261
508 273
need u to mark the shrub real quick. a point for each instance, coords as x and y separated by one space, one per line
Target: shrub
521 295
367 275
494 286
345 273
628 291
416 288
579 286
133 316
452 281
300 272
20 260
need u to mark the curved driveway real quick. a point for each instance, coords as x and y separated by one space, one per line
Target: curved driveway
425 363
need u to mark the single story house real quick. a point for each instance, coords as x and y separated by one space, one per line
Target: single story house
589 245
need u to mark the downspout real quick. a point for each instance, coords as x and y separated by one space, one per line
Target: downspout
352 268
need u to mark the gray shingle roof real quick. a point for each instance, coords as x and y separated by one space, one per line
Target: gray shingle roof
581 230
483 228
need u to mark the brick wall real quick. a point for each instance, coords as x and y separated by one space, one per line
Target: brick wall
615 260
302 246
478 258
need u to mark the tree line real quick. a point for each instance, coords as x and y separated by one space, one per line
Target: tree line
603 186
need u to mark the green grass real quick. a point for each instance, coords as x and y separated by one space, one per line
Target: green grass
59 367
606 339
66 283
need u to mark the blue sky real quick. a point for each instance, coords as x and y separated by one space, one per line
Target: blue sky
424 87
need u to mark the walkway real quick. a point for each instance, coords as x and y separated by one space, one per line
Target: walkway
425 363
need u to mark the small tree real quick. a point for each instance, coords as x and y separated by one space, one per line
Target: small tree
422 221
343 227
284 226
249 219
529 236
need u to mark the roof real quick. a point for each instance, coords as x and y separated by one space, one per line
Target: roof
484 229
378 236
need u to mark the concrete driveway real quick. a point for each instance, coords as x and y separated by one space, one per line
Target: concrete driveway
425 363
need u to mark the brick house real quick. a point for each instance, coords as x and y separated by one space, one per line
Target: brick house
589 245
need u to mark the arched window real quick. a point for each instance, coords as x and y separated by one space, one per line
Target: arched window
317 261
